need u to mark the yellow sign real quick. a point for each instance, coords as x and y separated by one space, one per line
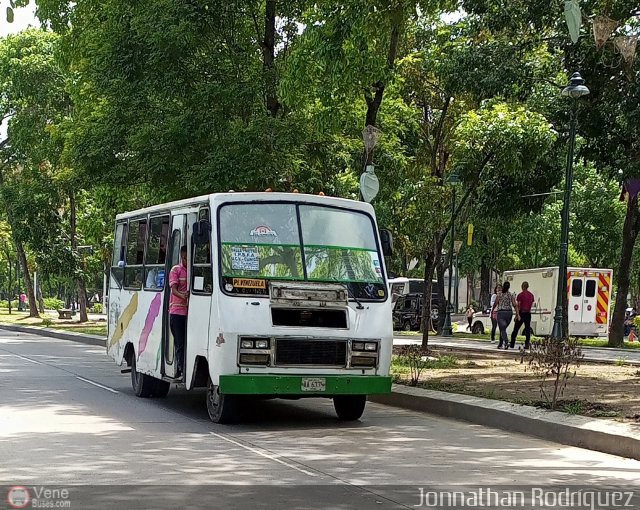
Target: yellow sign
470 234
249 283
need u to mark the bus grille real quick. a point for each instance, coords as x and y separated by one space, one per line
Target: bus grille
294 351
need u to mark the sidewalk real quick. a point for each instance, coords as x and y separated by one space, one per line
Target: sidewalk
592 354
591 433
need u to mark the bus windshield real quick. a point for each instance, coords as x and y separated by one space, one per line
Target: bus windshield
287 241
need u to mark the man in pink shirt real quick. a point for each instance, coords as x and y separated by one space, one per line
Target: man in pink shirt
525 302
178 308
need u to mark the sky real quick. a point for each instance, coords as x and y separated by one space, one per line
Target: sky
23 17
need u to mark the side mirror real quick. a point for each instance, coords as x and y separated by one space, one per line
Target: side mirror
386 240
201 233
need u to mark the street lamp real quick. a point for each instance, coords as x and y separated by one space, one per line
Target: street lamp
575 90
452 179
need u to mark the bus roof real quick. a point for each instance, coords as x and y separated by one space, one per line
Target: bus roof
555 268
220 198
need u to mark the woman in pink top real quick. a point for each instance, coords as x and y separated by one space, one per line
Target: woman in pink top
178 308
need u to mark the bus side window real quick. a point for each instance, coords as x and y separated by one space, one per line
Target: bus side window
119 253
156 253
134 269
202 273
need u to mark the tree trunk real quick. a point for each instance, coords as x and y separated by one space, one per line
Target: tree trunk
629 236
39 297
22 259
268 58
430 262
485 281
78 279
373 103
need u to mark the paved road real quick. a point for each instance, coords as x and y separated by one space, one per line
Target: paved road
590 353
68 417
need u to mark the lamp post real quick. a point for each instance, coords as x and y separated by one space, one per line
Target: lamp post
575 90
447 329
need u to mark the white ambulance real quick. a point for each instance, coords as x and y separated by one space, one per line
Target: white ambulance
589 292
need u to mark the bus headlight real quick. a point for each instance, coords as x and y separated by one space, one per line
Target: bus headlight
364 346
246 344
262 344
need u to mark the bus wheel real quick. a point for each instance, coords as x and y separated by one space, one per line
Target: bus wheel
349 407
143 385
221 408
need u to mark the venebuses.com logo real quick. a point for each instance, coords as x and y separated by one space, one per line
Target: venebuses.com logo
20 496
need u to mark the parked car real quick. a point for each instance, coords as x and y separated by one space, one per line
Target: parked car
407 313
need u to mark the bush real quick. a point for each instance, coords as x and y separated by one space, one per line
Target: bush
553 360
416 358
47 321
636 322
52 303
97 308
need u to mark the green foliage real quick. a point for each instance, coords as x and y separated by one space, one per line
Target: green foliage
53 303
97 308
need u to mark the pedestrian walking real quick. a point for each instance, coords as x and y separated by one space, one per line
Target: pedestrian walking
505 305
494 312
470 313
525 302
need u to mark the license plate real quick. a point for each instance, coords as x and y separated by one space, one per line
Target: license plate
313 384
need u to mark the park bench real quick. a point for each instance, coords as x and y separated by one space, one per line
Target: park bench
64 314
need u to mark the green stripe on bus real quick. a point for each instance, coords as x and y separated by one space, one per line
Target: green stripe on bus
262 277
266 384
278 245
350 248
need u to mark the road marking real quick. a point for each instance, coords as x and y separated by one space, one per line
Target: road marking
28 359
98 385
270 457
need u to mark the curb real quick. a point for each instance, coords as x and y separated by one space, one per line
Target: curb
619 439
62 335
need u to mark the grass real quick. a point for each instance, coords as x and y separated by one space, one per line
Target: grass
88 329
400 364
47 321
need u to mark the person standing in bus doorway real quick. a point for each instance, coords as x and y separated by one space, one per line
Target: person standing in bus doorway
525 302
178 308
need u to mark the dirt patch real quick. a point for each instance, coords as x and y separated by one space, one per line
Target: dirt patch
597 390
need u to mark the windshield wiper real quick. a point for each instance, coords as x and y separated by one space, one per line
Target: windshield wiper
351 294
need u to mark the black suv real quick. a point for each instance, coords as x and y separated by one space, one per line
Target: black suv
407 312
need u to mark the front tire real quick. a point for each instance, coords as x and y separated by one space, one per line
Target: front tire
349 407
478 328
221 408
161 389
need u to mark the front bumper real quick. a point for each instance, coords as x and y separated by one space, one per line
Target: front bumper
239 384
